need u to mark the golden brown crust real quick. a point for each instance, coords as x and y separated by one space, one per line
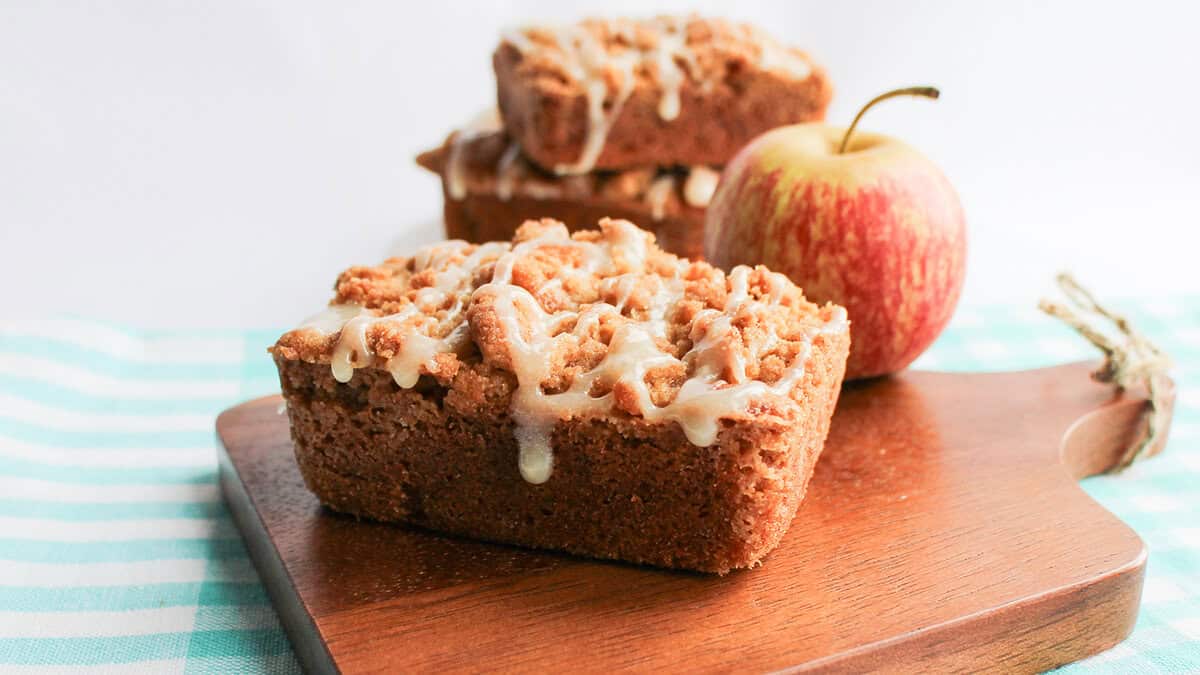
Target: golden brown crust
739 84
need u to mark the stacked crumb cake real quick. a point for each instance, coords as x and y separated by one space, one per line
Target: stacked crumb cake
620 118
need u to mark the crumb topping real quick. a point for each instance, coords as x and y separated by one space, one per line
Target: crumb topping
666 49
590 323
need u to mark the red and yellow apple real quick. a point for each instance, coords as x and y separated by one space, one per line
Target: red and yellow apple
876 228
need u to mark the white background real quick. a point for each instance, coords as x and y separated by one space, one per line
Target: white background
216 163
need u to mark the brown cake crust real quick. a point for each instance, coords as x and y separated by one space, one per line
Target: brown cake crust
441 454
739 84
484 214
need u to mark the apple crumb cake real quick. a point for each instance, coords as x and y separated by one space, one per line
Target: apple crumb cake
583 392
621 93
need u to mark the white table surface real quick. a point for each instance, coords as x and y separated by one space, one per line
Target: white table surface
215 164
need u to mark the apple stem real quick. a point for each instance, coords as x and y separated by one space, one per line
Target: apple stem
927 92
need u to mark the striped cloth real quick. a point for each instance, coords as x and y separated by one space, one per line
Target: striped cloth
116 552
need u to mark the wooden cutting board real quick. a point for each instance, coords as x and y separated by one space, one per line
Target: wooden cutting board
943 530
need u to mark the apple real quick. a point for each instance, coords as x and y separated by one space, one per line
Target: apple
862 220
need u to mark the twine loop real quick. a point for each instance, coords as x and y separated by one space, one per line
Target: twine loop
1130 359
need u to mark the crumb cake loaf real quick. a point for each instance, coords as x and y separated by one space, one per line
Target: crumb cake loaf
587 393
489 189
623 118
621 93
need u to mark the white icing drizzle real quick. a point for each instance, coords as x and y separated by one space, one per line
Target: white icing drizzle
700 185
657 195
586 60
717 387
426 336
506 171
670 47
486 122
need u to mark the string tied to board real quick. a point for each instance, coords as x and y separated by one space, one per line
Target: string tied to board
1130 359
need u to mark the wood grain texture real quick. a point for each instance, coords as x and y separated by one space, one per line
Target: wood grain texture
943 530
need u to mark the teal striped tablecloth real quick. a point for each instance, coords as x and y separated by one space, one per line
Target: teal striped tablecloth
116 552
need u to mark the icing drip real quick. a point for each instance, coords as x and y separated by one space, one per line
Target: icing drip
657 195
700 185
351 351
587 61
535 411
506 170
487 122
669 49
717 385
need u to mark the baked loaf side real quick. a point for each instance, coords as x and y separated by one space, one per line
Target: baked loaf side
587 393
614 94
484 217
490 188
